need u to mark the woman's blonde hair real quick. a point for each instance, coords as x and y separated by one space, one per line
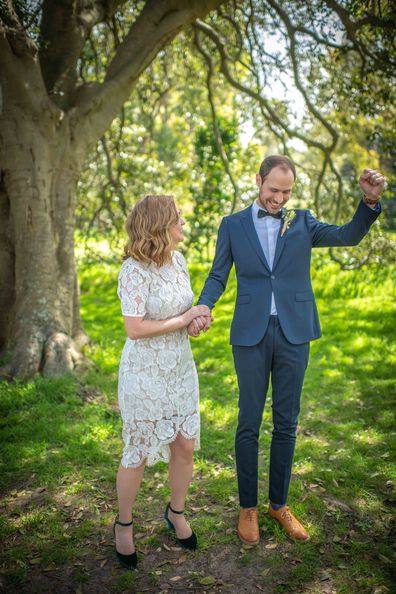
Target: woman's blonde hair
148 227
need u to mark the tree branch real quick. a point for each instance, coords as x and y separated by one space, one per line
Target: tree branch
352 26
155 26
64 29
292 133
291 33
216 128
19 70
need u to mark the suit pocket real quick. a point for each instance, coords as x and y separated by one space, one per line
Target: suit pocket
241 299
305 296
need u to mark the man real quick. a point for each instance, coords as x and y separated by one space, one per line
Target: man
274 321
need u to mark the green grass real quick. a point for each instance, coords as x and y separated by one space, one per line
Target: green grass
61 446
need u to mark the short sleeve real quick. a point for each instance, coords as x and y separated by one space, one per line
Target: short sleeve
133 288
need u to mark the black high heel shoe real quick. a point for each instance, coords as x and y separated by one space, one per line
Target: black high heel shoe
128 561
190 542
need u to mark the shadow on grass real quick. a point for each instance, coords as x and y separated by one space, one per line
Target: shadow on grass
60 454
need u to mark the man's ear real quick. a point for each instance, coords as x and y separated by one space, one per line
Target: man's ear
259 181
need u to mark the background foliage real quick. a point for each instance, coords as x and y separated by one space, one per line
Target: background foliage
313 80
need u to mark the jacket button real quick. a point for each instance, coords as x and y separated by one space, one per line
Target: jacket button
272 276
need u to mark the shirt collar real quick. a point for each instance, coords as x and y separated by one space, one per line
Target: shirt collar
256 208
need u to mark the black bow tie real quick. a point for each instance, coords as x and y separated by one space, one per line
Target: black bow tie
263 213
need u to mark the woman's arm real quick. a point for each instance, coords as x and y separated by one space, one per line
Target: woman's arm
137 327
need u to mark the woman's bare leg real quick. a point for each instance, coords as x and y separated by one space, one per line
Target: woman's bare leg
128 484
180 474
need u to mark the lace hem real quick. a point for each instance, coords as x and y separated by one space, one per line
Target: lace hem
160 454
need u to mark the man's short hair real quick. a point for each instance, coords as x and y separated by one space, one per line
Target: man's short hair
276 161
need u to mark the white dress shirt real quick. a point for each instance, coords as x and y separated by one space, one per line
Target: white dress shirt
267 229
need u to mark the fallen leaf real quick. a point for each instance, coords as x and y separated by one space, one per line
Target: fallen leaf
325 576
229 531
266 571
175 578
208 580
384 559
245 547
161 563
271 545
166 547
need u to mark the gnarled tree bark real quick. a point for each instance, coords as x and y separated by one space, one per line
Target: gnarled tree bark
48 125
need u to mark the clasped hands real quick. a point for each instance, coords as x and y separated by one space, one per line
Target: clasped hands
201 322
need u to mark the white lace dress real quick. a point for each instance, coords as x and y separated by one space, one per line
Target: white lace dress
158 385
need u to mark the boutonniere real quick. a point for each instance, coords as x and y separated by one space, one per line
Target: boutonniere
287 220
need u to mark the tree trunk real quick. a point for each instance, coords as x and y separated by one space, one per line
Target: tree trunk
37 201
46 131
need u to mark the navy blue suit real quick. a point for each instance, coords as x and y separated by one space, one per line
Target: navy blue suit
277 346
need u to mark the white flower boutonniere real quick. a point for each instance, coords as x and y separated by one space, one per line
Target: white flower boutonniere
287 220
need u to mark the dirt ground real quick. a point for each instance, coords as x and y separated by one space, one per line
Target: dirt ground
167 569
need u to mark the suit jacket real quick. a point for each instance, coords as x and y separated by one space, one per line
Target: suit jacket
289 279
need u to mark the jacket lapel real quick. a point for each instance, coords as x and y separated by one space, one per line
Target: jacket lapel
280 244
248 225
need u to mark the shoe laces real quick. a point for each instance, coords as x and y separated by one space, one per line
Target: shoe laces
251 515
287 515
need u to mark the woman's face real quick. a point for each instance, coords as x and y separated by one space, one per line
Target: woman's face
176 231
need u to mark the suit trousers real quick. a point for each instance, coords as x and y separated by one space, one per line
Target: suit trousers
285 363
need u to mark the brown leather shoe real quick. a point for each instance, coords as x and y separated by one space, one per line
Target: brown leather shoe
289 523
248 528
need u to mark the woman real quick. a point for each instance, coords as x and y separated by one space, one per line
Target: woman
158 384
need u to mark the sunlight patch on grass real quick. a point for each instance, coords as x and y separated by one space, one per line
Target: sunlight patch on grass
332 373
99 432
218 416
369 437
304 467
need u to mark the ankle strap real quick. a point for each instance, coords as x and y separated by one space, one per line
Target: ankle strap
117 521
174 511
